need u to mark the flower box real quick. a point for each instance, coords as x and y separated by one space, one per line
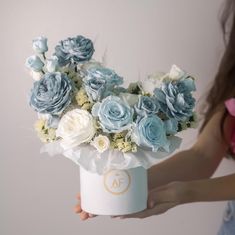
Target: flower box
117 192
114 134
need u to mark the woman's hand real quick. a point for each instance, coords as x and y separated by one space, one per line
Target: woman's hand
162 199
83 214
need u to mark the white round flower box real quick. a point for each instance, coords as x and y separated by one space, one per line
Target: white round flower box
112 182
116 192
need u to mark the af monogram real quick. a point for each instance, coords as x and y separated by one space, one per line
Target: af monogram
117 181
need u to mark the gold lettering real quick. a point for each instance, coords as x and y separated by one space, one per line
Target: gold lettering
115 183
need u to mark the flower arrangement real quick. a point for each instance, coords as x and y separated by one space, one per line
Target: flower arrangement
85 113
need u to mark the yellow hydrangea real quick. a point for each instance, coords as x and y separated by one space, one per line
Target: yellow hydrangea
192 122
119 142
74 76
46 134
83 100
119 135
81 97
39 125
126 146
87 106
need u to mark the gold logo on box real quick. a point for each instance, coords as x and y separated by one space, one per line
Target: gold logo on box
117 181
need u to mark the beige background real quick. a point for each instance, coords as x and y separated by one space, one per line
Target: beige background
37 193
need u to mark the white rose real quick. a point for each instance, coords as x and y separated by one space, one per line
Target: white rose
36 75
153 81
75 127
175 73
101 143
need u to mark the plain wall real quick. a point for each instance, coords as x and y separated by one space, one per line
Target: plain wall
140 37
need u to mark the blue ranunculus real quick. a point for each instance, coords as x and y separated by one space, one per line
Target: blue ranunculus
40 45
150 132
99 82
114 114
175 98
52 94
171 126
34 62
146 105
77 49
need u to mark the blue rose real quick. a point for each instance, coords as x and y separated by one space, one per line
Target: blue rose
40 45
114 114
175 98
52 94
150 132
34 62
95 88
171 126
52 64
107 74
77 49
99 82
146 105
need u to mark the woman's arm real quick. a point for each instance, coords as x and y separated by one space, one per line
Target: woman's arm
198 162
170 195
185 177
184 166
216 189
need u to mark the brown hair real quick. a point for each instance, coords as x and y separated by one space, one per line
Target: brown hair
224 82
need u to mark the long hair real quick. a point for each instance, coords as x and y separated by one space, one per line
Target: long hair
224 81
